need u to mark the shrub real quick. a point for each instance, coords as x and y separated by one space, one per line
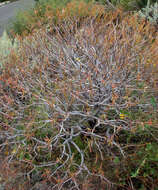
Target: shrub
132 4
26 21
2 1
6 46
73 96
150 12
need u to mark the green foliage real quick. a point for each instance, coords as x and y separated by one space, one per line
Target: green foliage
53 3
150 12
153 102
132 4
141 160
3 0
116 160
144 3
20 23
6 45
147 164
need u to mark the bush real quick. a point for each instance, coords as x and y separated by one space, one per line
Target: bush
150 13
6 47
26 21
73 96
132 4
2 1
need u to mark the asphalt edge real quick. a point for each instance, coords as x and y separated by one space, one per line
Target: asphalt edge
4 3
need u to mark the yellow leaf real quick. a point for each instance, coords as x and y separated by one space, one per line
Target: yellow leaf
122 116
14 151
6 153
77 59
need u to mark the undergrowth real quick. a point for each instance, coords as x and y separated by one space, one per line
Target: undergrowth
26 21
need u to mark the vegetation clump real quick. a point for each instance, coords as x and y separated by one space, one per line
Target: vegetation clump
150 12
78 102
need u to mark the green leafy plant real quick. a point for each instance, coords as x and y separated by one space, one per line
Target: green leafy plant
135 4
150 12
6 46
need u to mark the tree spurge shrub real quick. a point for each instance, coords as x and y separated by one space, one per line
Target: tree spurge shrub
70 98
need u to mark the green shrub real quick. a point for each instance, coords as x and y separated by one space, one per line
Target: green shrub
6 46
21 23
150 12
132 4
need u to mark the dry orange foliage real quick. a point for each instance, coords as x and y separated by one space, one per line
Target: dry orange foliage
65 89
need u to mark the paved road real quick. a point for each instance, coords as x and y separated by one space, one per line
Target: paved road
8 12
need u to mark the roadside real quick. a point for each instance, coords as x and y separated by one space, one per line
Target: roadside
8 12
4 3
